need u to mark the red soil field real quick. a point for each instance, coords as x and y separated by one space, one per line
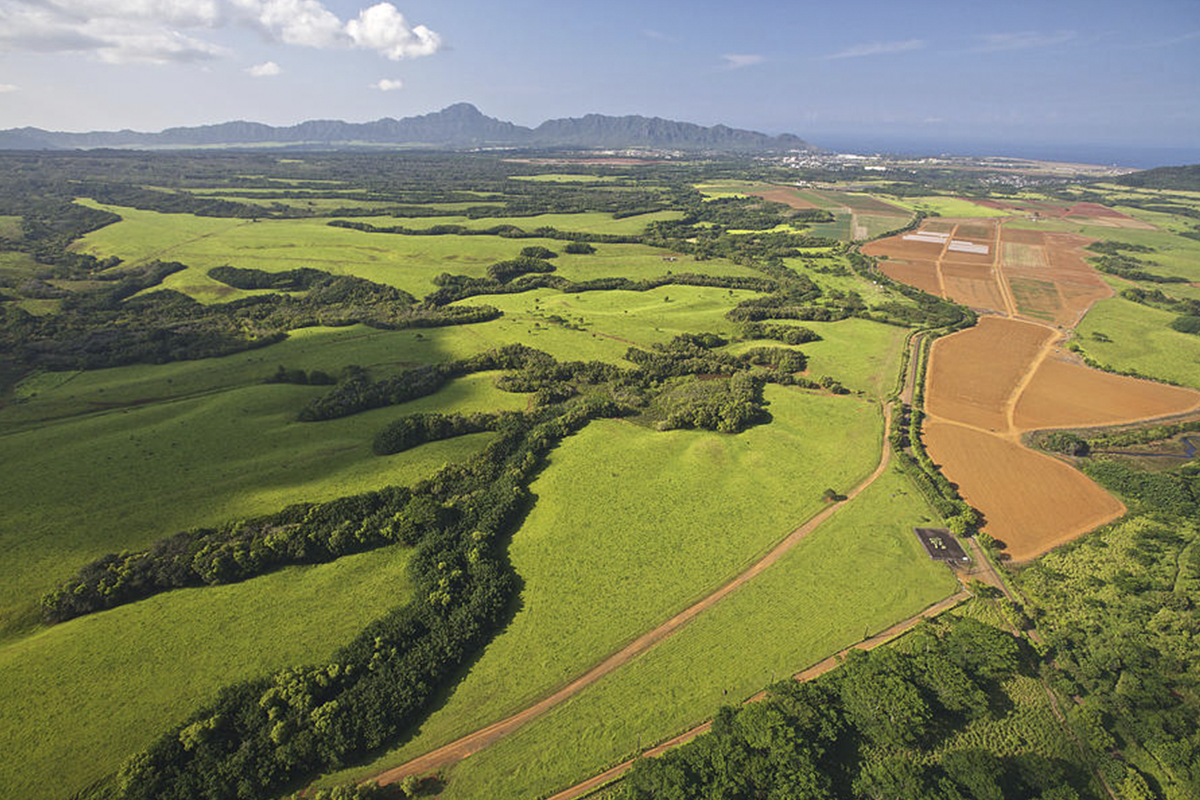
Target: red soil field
983 232
786 196
1063 394
972 285
1031 502
1094 210
921 274
973 373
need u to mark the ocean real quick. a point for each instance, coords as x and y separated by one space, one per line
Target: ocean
1139 157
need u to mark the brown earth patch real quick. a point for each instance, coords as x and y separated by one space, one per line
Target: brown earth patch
1031 502
982 231
1067 394
973 285
921 274
972 373
788 197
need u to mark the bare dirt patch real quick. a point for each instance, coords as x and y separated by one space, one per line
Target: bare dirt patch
921 274
1031 502
973 285
972 373
1067 394
789 197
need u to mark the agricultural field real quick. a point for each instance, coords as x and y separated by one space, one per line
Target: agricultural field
372 495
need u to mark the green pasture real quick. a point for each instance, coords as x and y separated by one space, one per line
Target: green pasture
120 479
713 190
603 325
859 573
77 699
1141 340
879 224
632 525
838 229
863 355
948 206
407 262
582 222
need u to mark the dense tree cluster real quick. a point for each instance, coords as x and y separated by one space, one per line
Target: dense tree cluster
788 334
1117 610
505 271
883 725
417 429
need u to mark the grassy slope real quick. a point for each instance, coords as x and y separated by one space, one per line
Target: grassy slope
103 482
857 574
79 698
1141 340
660 520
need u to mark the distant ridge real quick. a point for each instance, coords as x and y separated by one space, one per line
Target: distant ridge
459 126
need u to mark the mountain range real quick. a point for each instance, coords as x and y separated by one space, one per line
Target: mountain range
460 126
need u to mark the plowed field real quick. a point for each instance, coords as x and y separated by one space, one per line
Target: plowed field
1065 394
973 373
1031 502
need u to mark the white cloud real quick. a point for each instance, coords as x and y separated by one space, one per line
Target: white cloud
388 84
383 28
739 60
268 69
157 31
299 22
1023 40
5 88
879 49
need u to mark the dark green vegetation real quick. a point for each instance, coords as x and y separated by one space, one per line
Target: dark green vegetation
1185 178
889 724
1118 613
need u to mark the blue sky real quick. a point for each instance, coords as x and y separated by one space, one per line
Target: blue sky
1093 72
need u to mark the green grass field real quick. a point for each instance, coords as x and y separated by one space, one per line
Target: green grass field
407 262
77 699
632 525
948 206
585 222
608 322
838 229
1141 340
863 355
103 482
860 572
